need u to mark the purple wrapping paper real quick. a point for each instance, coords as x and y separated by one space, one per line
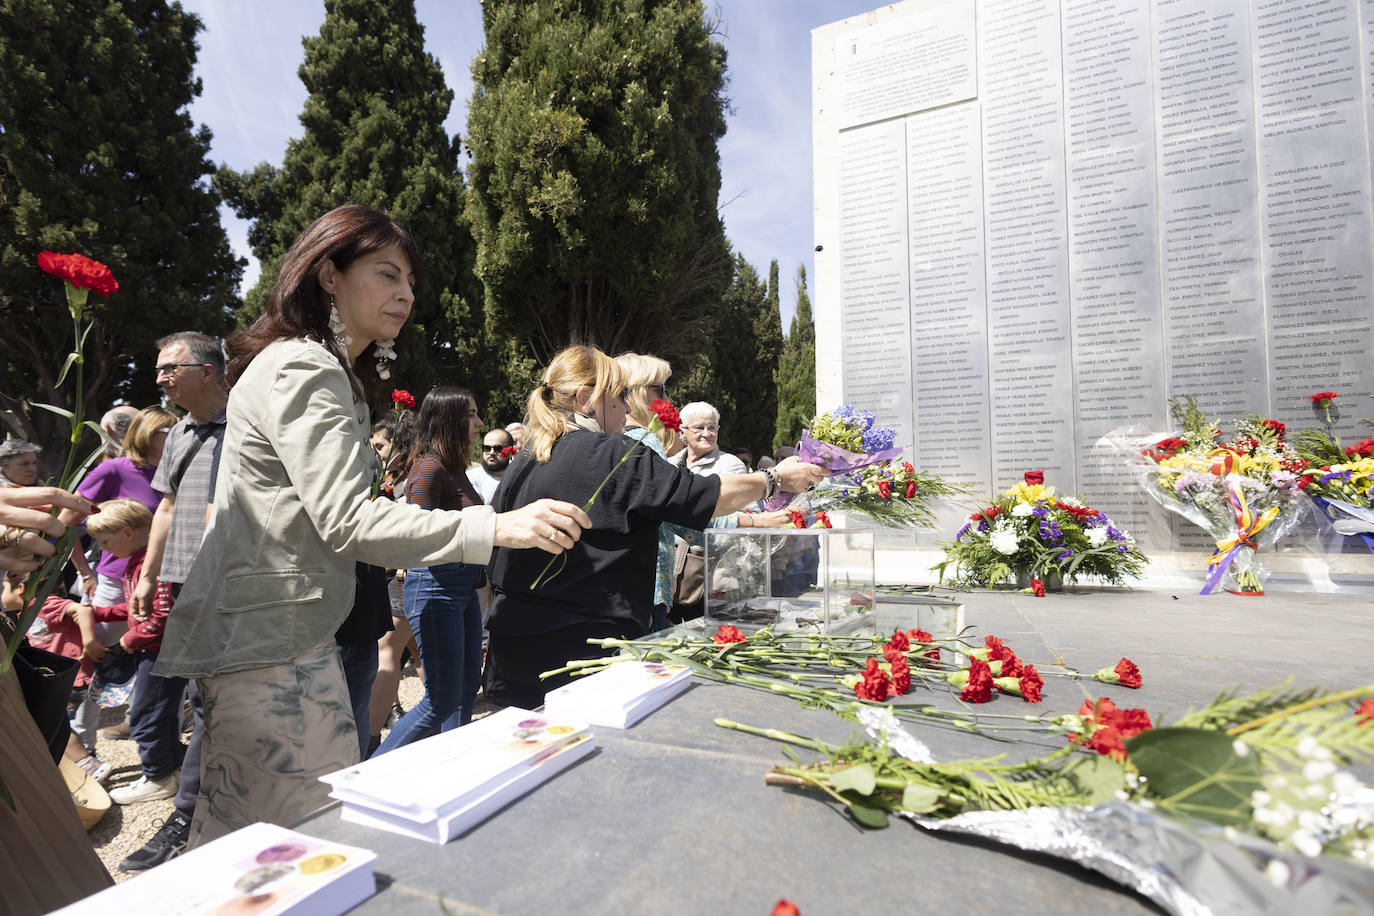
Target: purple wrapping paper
834 459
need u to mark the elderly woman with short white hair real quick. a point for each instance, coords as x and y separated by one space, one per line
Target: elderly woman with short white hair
18 463
701 430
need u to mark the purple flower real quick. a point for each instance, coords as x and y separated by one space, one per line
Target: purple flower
1050 532
1100 519
982 526
878 438
1065 555
1040 510
1115 534
1122 548
1335 475
963 531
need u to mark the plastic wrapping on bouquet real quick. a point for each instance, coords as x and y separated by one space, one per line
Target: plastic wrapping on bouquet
1348 520
834 459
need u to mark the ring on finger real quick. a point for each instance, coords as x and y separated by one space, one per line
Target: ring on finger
10 537
552 535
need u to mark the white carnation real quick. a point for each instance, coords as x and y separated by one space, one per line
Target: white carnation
1097 536
1003 540
1021 510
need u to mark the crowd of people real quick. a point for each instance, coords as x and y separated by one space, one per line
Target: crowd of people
266 560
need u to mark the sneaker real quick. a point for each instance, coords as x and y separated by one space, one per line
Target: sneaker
95 768
395 715
118 732
169 841
145 789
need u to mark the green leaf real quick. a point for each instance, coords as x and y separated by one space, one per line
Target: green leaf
864 813
1198 772
61 412
62 376
858 778
1086 780
920 798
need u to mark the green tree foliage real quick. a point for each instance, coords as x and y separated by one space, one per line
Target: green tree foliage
98 155
796 373
374 135
735 373
595 174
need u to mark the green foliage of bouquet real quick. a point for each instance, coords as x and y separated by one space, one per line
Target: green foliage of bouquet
1030 530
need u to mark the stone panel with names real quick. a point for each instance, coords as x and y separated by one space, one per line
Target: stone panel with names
1314 202
1113 246
876 347
917 62
1208 204
949 332
1030 377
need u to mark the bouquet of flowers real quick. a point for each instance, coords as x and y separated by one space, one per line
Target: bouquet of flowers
865 476
1030 531
1342 478
1244 492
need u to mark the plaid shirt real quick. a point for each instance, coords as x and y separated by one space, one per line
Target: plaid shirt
193 493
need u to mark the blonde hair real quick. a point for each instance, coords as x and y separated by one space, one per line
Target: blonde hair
573 368
641 373
138 440
118 514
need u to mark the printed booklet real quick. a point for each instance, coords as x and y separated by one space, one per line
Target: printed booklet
619 696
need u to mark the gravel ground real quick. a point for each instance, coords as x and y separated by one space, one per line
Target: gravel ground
124 829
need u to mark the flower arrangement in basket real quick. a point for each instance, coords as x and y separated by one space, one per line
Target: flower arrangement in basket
1030 531
1342 478
1245 492
866 476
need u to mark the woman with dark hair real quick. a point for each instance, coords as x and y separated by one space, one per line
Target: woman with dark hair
440 601
255 620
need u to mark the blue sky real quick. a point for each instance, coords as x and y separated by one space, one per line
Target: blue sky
250 51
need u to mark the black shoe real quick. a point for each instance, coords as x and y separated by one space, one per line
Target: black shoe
395 715
373 742
169 841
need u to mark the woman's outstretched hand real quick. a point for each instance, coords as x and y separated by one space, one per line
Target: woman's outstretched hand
549 524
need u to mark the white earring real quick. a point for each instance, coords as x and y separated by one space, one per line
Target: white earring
337 327
386 351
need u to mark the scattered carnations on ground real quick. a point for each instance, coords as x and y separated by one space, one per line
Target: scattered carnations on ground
1106 727
727 634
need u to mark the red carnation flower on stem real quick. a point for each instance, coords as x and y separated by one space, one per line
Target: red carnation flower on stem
1035 478
798 520
900 641
1128 673
402 398
667 414
901 675
1031 684
823 520
921 636
875 684
1323 399
1110 727
726 634
785 907
80 271
509 451
1038 588
1276 425
1365 711
885 489
911 489
979 686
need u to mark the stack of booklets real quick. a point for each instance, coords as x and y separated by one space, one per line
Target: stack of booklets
261 869
619 696
441 787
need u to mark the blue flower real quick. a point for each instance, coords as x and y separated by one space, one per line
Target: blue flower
1040 510
1051 533
879 438
1335 475
963 531
1065 555
1115 534
982 526
1100 519
1122 548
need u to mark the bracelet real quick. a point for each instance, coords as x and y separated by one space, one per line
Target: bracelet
770 483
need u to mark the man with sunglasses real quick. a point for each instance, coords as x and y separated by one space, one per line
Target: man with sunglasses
486 476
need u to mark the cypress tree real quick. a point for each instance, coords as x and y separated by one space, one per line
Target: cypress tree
98 155
374 135
796 374
595 173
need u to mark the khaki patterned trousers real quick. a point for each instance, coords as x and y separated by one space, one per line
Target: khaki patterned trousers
270 733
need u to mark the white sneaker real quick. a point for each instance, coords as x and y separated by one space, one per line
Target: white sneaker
145 789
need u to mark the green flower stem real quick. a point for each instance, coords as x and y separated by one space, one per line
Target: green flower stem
1343 697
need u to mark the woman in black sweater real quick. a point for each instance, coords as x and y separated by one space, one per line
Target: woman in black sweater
605 588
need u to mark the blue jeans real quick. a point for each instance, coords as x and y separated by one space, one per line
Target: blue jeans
155 719
441 604
360 670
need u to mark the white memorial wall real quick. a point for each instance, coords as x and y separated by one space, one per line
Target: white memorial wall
1036 220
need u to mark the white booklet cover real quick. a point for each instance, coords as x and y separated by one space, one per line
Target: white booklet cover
431 779
619 696
454 823
262 869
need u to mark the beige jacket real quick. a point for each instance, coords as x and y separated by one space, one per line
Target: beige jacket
274 577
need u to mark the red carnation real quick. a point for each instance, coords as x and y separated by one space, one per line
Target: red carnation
509 451
1365 711
900 641
992 512
1038 587
403 398
1323 398
976 517
919 635
875 684
1361 449
1031 684
824 520
1110 726
1171 444
901 675
726 634
1128 672
785 907
1035 478
979 686
911 489
667 414
885 489
906 466
1276 425
80 271
798 520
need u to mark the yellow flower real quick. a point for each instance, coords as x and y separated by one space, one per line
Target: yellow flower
1028 493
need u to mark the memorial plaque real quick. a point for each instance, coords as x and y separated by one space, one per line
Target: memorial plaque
1314 202
1118 360
917 62
873 234
949 330
1024 205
